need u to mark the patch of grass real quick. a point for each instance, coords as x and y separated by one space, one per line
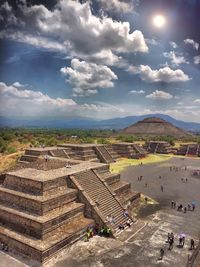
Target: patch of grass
120 165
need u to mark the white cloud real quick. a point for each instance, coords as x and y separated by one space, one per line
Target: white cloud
134 92
69 26
159 95
165 74
28 103
197 60
87 77
116 6
173 44
197 101
176 58
17 84
192 42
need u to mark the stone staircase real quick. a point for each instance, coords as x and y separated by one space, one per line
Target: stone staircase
30 156
60 153
140 150
99 193
103 154
122 189
39 216
112 152
192 150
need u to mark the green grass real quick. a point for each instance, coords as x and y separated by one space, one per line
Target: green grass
120 165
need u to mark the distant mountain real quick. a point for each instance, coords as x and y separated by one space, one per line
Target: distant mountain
116 123
154 126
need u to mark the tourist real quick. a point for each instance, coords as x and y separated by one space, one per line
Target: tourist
162 252
171 242
183 241
161 187
180 240
185 210
113 220
180 207
189 207
186 180
125 214
191 244
121 226
172 204
128 223
193 206
168 237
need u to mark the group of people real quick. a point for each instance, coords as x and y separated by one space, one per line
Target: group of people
111 219
97 230
140 178
190 207
176 168
181 243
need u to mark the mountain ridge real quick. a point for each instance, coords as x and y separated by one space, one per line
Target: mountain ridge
115 123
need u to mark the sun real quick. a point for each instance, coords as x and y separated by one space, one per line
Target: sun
159 21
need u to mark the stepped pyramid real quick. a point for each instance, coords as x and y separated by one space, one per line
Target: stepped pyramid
43 211
154 126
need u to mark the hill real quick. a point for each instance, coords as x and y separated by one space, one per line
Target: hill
154 126
80 123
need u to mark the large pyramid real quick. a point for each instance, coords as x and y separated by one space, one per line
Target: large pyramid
154 126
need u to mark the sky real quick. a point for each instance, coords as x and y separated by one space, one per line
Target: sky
99 59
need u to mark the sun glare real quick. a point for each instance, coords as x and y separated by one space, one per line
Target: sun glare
159 21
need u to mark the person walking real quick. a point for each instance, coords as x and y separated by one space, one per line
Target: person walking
162 252
161 187
171 242
192 244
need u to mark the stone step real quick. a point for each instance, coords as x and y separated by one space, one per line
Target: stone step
120 187
29 158
41 250
110 178
129 197
39 226
36 204
32 186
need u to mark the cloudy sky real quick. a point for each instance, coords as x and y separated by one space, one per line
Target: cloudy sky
99 59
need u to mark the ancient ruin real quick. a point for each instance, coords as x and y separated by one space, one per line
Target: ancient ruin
190 150
154 127
160 147
55 194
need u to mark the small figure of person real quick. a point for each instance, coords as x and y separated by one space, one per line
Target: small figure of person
185 210
121 226
193 206
189 207
125 214
180 240
168 237
146 200
145 184
171 242
183 241
191 244
161 187
162 252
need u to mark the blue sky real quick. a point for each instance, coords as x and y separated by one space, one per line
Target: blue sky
99 59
